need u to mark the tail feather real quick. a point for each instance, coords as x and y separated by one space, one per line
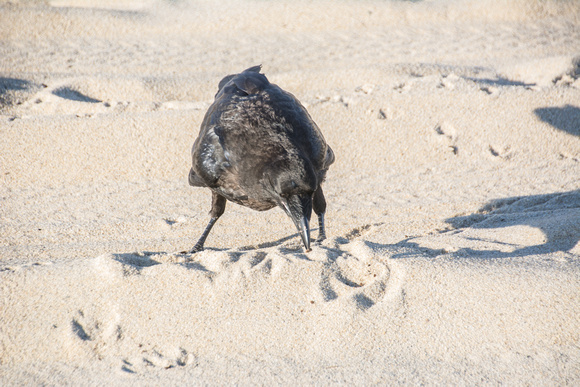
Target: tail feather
251 81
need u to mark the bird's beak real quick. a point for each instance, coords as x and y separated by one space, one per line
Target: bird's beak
304 230
299 209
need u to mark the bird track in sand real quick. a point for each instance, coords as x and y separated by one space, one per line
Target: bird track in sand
336 275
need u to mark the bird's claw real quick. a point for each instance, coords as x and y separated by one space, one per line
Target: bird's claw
196 249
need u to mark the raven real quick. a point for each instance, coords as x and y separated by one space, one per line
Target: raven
259 147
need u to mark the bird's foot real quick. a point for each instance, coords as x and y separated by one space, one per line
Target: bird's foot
196 249
321 238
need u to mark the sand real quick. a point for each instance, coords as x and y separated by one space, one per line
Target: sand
453 216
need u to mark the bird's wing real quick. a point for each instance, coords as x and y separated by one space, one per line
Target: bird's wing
194 180
329 157
209 157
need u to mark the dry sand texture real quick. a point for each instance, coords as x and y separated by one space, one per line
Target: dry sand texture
454 203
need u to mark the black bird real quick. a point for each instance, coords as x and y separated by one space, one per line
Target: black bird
259 147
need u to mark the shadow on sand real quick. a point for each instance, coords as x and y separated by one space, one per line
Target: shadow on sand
565 118
74 95
557 215
13 91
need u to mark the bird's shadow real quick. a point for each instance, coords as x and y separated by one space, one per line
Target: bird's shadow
537 211
144 259
297 250
553 214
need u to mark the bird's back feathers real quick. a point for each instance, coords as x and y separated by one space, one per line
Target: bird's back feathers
250 127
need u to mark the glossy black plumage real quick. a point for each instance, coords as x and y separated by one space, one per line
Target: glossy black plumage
259 147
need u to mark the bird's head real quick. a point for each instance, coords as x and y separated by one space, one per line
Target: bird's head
293 183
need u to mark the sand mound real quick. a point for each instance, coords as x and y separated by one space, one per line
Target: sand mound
234 302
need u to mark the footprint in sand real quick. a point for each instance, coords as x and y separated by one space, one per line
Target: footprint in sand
99 333
152 357
83 329
360 279
448 133
348 272
134 292
500 152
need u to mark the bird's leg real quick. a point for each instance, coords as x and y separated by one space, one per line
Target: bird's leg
218 206
199 245
319 207
321 230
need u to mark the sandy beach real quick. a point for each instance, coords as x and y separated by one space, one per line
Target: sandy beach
453 221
